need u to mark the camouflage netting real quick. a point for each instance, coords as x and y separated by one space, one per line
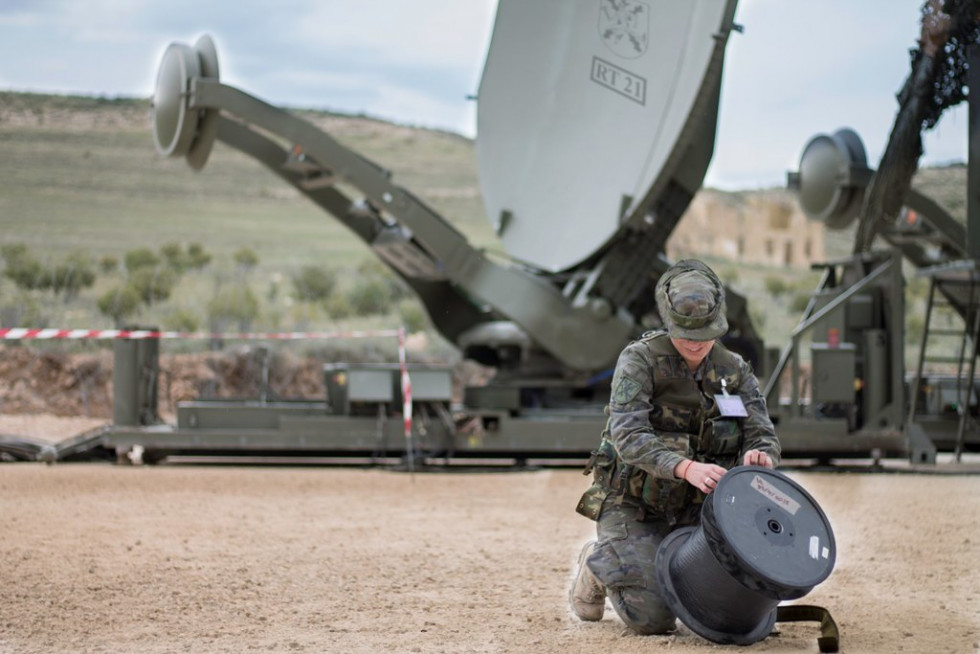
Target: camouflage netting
952 76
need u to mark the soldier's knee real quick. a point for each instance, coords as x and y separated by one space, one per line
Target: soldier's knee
643 611
652 625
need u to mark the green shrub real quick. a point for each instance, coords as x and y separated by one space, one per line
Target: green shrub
338 307
197 256
140 258
314 283
246 259
180 261
181 320
370 297
153 284
373 269
236 305
108 264
119 303
26 273
75 274
174 257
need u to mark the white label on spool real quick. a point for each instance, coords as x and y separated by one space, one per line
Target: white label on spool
815 547
826 552
773 494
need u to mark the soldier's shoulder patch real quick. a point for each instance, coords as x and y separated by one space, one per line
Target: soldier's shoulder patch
625 390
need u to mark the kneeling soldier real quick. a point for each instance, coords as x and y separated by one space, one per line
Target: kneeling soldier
683 410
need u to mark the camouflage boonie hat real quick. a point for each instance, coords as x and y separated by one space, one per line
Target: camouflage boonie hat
691 302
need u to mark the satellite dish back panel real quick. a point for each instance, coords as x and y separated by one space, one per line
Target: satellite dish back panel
580 106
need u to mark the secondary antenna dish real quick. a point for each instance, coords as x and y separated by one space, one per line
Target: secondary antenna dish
582 106
833 173
179 131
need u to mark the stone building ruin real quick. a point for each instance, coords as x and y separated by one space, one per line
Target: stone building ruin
757 227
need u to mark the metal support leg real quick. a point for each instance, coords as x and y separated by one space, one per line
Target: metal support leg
972 330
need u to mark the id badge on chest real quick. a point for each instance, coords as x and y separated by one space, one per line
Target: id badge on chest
730 406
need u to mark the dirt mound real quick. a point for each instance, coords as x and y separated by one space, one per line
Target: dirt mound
80 385
55 382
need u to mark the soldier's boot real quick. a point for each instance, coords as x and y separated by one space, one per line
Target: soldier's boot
587 595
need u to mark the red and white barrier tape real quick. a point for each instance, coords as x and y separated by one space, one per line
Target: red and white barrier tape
19 333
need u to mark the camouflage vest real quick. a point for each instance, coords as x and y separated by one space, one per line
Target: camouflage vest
685 417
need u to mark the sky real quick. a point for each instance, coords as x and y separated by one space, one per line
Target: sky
798 68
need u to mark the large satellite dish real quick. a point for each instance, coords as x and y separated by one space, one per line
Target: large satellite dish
580 105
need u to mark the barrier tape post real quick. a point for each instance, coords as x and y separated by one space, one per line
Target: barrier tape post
406 400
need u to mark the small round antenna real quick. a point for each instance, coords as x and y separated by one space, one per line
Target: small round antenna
173 125
833 175
179 131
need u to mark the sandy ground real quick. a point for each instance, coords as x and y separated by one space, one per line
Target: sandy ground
171 558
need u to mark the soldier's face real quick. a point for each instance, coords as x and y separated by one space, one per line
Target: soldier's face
693 352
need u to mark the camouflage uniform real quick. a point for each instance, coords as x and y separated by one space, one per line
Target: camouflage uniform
661 413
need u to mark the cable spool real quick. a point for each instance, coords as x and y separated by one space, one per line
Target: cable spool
762 539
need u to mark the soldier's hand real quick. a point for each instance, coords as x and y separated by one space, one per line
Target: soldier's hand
757 458
703 476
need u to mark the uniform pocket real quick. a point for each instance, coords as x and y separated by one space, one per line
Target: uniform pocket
590 504
603 467
725 434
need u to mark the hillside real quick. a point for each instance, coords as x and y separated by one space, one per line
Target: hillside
85 169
